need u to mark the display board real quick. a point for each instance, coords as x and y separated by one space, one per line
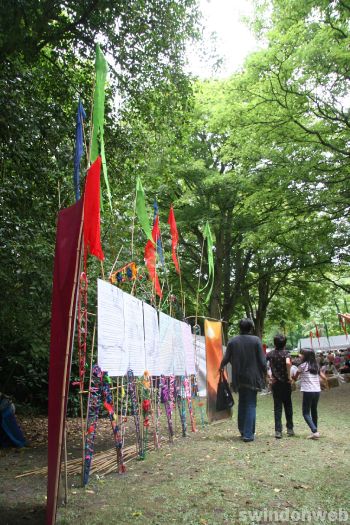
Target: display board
130 336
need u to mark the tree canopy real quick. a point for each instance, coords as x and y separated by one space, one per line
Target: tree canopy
262 156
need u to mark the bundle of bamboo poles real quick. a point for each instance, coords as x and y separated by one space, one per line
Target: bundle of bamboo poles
102 463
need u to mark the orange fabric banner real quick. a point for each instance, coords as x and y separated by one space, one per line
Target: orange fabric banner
213 349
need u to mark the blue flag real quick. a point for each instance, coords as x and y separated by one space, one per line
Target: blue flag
79 149
159 241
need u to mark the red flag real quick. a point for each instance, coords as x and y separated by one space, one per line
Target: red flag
150 257
174 237
92 238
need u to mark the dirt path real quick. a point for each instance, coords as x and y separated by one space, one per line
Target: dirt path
207 478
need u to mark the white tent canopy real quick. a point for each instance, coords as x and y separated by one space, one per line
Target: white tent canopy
336 342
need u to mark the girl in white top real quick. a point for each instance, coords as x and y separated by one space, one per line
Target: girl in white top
309 374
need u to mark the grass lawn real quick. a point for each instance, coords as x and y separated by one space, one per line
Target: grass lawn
213 478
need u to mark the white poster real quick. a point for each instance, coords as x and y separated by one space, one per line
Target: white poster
189 349
112 356
151 328
134 334
166 358
178 348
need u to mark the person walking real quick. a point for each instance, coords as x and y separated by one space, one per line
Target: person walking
246 355
310 373
280 363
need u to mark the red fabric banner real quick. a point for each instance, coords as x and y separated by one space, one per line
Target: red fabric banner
64 292
174 237
150 257
92 235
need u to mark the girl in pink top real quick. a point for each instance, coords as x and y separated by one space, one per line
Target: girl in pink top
309 374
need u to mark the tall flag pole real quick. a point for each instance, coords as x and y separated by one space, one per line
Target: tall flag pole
311 338
79 148
97 142
141 210
208 236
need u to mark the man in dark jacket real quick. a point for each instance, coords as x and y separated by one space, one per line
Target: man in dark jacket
246 355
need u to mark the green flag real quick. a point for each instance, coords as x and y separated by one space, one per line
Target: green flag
141 210
208 236
98 117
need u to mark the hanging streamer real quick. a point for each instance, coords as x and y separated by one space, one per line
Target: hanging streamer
141 210
174 237
159 241
79 148
208 236
97 142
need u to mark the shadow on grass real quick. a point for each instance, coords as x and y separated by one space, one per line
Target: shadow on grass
23 514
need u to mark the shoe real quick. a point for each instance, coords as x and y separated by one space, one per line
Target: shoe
290 432
247 440
314 435
278 435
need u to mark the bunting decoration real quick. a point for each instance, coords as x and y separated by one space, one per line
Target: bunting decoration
208 237
141 210
174 237
79 148
97 141
150 258
92 236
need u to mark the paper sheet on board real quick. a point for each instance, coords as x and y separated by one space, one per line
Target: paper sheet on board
112 355
178 348
189 348
166 363
151 329
134 334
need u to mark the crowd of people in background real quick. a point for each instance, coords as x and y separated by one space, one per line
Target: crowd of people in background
253 372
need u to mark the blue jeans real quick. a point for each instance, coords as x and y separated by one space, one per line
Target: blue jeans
247 412
310 400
